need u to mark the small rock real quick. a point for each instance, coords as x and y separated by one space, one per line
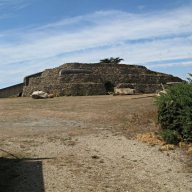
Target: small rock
51 96
95 157
101 161
89 167
168 154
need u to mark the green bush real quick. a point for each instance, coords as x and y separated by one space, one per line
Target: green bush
175 110
170 136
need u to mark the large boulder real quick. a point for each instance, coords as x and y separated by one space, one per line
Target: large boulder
124 91
39 95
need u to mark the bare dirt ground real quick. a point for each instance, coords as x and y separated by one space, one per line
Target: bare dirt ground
81 144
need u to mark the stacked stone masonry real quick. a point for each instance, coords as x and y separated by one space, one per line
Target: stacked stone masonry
12 91
95 79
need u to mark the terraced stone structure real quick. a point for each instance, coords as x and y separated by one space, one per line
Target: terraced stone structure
95 79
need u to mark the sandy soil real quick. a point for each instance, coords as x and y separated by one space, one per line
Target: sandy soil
81 144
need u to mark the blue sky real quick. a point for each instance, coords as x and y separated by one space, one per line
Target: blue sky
40 34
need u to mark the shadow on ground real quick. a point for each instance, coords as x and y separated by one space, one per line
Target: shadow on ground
21 175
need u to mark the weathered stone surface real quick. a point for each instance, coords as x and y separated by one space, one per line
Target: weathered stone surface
12 91
39 95
95 79
124 91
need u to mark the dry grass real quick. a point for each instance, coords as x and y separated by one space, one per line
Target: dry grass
150 138
122 113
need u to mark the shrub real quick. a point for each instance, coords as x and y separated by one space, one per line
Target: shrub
175 110
170 136
111 60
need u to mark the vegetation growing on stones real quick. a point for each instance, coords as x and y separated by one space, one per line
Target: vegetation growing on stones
175 113
111 60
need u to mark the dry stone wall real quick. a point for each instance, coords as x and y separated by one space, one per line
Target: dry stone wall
91 79
12 91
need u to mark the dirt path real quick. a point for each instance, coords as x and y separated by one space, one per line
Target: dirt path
82 144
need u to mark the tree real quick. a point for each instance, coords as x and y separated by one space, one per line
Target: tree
111 60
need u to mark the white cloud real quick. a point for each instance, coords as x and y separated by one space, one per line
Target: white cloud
175 64
138 38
